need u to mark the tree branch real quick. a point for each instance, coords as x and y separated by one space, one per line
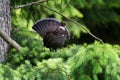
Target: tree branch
75 22
29 4
10 41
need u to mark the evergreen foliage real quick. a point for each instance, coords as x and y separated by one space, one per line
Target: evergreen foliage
95 62
77 61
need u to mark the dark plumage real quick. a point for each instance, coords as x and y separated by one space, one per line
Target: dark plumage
54 33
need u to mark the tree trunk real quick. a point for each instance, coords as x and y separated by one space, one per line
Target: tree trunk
5 25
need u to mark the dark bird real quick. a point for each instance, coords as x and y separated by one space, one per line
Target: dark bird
54 33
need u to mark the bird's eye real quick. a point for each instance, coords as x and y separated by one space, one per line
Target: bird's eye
68 37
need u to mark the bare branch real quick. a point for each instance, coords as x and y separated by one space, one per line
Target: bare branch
74 22
10 41
29 4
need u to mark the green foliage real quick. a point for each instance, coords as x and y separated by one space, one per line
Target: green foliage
53 69
32 47
103 13
25 17
95 62
6 73
77 62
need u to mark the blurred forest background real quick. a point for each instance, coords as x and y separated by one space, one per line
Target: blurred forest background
83 58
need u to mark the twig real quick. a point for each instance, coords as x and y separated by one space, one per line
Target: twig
10 41
74 22
29 4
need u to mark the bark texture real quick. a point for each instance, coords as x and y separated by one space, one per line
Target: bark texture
5 25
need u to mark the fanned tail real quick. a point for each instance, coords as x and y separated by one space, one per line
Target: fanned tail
46 25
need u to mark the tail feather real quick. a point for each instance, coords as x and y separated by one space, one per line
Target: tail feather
41 28
46 25
37 28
